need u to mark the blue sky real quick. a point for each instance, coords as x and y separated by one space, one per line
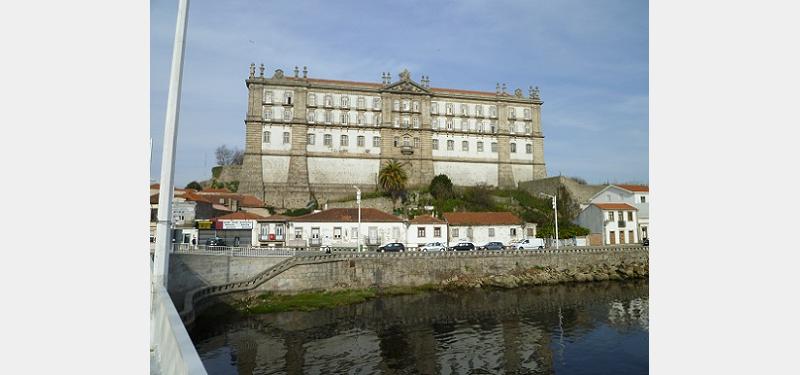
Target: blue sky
589 59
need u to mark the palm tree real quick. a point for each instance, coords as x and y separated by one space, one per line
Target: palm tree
392 178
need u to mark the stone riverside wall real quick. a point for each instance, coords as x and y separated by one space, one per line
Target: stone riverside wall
358 271
190 271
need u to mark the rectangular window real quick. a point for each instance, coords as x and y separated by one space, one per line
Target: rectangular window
530 232
360 141
434 108
415 106
491 232
416 142
406 141
285 137
527 113
642 199
494 146
327 140
479 110
464 125
287 98
329 101
310 116
361 102
481 126
437 231
512 113
396 105
527 128
630 215
345 118
312 100
611 215
328 117
268 96
449 124
415 122
376 103
298 233
337 233
266 137
406 105
267 113
354 233
464 111
311 139
434 123
513 232
406 122
449 108
493 111
480 146
528 149
396 122
345 101
435 144
343 141
620 216
455 232
360 119
464 146
376 141
421 232
287 114
450 145
513 147
396 141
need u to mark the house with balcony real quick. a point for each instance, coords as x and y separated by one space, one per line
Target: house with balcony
272 230
483 227
610 223
425 228
338 227
637 196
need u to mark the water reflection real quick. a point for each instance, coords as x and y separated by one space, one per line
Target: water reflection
564 329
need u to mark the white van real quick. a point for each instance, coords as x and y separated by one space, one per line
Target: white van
529 244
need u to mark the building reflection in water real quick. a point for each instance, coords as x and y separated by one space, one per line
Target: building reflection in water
478 331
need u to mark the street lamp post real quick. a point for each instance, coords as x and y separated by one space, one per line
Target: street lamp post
555 214
358 201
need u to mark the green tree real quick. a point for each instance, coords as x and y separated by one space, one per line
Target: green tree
194 185
392 178
479 198
441 187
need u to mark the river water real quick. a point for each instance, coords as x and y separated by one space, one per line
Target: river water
586 328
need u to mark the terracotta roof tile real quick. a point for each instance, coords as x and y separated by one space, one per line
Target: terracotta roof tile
614 206
241 215
426 219
348 215
222 190
637 188
277 218
481 218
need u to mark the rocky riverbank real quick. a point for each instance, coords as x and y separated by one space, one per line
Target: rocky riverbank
548 275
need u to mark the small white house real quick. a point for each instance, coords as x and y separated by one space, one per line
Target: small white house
635 195
338 227
616 222
483 227
425 228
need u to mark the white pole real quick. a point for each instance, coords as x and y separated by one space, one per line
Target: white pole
166 190
555 214
358 200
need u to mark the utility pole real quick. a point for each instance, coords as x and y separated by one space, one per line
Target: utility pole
358 200
166 190
555 214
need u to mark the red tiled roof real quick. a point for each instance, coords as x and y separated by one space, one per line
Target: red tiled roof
349 215
250 201
426 219
277 218
241 215
481 218
614 206
638 188
222 190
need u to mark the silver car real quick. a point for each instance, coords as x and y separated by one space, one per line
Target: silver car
433 246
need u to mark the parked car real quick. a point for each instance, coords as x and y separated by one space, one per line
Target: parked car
529 244
392 246
463 246
492 246
215 241
646 242
433 246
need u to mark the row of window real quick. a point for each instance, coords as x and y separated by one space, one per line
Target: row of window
512 232
398 105
620 215
479 146
437 232
319 117
344 140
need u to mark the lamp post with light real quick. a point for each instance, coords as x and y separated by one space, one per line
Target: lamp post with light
358 201
555 214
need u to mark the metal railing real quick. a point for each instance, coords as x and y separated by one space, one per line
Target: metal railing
234 251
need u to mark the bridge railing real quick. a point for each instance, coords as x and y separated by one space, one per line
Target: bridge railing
174 351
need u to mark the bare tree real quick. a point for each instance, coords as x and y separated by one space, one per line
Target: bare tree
227 156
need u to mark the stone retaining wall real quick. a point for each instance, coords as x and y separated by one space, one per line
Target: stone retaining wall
415 269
